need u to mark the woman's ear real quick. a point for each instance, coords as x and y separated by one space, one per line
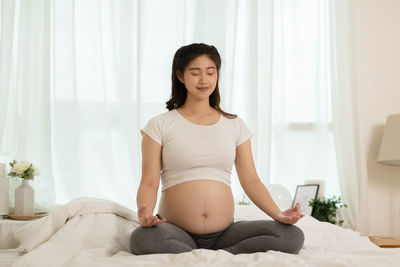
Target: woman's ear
179 75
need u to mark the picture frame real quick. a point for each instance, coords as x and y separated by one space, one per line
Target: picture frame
304 194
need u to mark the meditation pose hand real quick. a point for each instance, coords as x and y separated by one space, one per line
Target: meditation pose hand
148 220
290 216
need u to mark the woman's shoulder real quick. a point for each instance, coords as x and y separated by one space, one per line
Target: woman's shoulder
236 123
232 118
163 117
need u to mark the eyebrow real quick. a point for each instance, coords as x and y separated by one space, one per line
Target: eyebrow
199 68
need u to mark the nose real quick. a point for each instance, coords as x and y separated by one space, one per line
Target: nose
202 78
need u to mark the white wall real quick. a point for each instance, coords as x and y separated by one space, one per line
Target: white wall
377 36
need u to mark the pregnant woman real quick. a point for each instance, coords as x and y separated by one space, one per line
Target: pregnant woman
193 147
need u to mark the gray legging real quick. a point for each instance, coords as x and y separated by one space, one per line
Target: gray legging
239 237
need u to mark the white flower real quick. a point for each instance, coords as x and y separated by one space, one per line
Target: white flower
20 167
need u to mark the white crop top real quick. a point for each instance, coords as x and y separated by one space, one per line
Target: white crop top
193 152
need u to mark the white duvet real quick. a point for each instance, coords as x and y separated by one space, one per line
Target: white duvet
95 232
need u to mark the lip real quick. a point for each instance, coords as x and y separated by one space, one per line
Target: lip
202 88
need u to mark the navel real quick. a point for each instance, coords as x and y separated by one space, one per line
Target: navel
204 216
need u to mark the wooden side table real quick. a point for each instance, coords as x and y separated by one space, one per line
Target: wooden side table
385 241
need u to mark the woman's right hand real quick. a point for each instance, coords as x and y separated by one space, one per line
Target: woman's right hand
148 220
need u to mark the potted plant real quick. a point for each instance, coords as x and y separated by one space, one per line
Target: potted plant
325 209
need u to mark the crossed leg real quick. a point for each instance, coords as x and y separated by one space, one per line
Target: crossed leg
239 237
162 238
260 236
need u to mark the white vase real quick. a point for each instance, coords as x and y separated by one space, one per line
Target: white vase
3 195
24 199
3 190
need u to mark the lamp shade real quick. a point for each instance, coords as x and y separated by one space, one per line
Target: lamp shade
389 152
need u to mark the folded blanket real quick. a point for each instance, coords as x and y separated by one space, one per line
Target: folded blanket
33 234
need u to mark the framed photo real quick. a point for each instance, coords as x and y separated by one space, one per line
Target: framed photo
305 193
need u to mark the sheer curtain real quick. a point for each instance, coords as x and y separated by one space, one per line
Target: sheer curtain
25 92
351 153
302 140
108 73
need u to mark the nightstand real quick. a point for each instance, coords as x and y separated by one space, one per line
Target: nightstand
385 241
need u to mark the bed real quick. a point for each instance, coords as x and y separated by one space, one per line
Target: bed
95 232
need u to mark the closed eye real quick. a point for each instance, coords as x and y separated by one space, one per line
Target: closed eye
197 74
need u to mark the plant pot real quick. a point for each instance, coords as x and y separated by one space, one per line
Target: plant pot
24 199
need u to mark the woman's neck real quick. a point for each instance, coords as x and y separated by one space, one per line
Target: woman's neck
198 108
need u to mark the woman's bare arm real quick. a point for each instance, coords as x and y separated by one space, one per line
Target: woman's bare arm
146 198
256 190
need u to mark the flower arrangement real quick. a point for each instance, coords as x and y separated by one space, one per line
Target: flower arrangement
23 169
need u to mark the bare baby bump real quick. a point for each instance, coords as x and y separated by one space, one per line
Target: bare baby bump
199 206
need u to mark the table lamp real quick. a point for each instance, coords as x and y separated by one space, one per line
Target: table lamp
389 152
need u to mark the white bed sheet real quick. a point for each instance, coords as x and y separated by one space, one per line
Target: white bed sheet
8 257
93 232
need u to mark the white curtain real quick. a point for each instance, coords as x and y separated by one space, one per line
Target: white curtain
302 140
108 72
25 116
346 118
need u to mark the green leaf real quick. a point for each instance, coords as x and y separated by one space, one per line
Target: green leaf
325 209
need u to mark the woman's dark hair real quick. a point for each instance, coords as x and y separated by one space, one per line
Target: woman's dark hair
182 58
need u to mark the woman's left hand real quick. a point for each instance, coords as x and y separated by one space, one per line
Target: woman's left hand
290 216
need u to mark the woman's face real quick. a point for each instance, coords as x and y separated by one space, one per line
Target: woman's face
200 77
